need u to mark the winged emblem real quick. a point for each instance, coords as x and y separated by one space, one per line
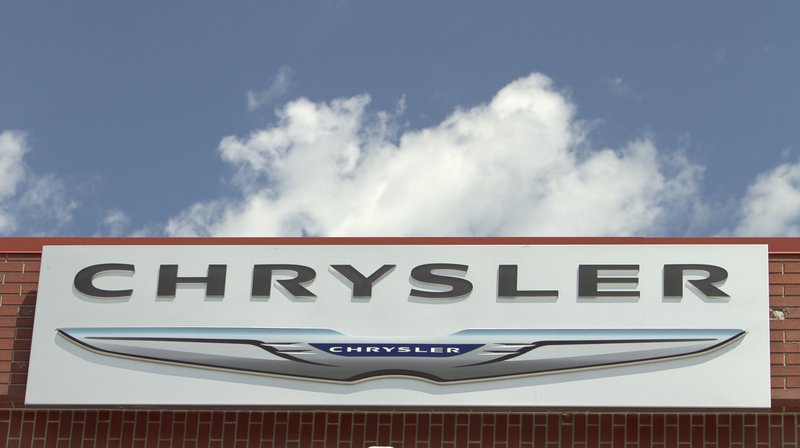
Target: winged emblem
468 355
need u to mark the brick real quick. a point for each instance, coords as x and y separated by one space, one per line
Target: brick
784 301
786 324
784 279
789 429
17 392
24 257
21 278
18 378
791 268
17 299
792 335
777 359
21 322
8 322
792 358
791 290
40 425
632 428
785 347
786 394
14 266
32 266
10 289
9 310
791 370
776 290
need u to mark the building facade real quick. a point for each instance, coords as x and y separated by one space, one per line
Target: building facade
20 264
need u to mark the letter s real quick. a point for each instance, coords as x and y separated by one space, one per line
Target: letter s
459 287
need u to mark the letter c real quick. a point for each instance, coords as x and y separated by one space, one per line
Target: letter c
85 278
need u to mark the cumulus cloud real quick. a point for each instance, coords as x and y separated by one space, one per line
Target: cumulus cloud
36 200
114 223
12 150
279 86
771 206
519 164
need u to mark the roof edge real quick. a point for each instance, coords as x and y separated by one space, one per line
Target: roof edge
35 244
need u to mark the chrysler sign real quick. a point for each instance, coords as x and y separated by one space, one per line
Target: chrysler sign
676 325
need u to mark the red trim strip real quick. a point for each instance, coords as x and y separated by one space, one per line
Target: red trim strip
34 245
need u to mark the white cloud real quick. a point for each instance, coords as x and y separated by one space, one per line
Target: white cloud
517 165
114 222
12 150
36 200
620 87
44 199
279 86
771 206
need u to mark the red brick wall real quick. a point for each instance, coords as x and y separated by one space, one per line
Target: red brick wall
784 302
20 274
402 427
142 428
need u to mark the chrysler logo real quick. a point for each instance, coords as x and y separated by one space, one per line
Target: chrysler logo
468 355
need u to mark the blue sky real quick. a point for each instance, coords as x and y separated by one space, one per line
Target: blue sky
412 118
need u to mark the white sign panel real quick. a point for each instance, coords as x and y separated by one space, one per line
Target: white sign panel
460 325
